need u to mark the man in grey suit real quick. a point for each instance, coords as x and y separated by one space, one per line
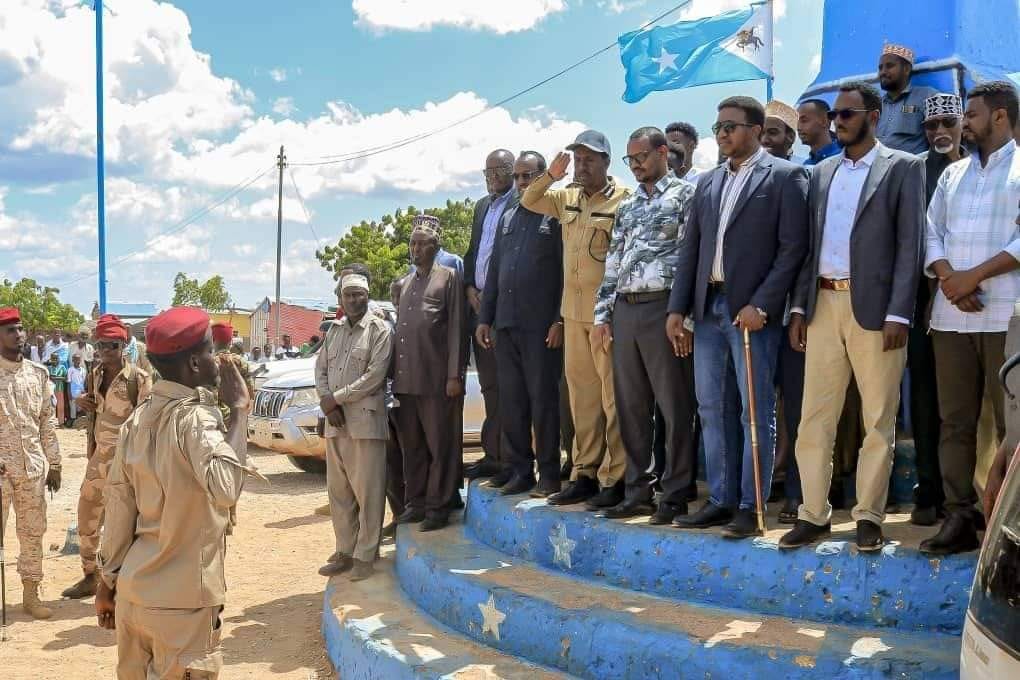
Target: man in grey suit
745 241
852 309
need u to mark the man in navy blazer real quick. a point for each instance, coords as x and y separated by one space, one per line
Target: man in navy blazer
746 239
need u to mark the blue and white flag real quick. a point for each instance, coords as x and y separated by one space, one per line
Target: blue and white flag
728 47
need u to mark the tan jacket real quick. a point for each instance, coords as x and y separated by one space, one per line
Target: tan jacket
113 408
28 428
587 227
172 482
352 366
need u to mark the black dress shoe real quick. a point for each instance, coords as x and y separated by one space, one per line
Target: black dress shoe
578 491
744 525
667 512
958 534
518 484
499 479
804 533
434 523
607 497
869 536
628 509
788 513
411 516
483 468
546 488
924 515
710 515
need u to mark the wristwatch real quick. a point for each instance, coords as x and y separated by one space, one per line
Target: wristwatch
763 313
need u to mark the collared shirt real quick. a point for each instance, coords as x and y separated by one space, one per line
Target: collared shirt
354 359
430 342
114 407
488 236
86 352
692 176
645 246
971 219
816 157
76 380
733 184
172 483
61 348
28 434
587 227
900 125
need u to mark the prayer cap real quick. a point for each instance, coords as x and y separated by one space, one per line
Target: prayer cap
354 281
943 105
427 224
901 51
782 111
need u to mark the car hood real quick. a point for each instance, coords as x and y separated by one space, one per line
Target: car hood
292 380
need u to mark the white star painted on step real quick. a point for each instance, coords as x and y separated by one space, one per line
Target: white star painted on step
665 60
491 617
562 546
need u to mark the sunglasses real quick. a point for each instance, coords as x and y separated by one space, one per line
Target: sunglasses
728 127
496 172
525 175
845 114
113 344
949 123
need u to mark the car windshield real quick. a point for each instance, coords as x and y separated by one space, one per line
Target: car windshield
995 601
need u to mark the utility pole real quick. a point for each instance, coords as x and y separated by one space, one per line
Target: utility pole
281 163
100 156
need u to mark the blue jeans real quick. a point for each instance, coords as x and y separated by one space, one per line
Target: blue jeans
720 374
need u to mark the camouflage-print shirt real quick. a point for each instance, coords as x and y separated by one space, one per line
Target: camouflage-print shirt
645 246
242 368
28 428
114 407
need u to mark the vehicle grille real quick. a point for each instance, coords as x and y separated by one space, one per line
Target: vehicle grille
269 403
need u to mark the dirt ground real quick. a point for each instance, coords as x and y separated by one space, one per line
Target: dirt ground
274 598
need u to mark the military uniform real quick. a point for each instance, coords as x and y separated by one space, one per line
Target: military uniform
242 367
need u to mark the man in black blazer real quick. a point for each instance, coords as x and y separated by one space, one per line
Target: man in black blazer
852 307
489 211
520 318
745 242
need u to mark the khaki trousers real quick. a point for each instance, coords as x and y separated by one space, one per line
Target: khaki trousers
837 347
167 644
91 507
28 498
356 484
598 449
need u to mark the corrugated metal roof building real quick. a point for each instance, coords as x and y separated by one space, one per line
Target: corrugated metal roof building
300 318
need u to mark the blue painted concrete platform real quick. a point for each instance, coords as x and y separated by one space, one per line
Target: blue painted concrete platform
599 631
896 589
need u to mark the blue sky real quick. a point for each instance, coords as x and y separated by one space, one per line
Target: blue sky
201 94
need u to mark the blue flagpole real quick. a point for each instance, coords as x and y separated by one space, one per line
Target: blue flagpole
100 155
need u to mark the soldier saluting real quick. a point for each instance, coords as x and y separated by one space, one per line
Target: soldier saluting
174 478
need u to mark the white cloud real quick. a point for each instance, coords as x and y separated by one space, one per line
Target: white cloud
620 6
284 106
190 245
278 74
498 16
244 250
706 155
816 62
707 8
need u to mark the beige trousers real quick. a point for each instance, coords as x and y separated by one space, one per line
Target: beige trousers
167 644
356 483
837 347
598 449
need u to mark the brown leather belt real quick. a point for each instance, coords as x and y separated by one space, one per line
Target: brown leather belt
841 285
641 298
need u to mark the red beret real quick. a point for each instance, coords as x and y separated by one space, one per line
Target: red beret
9 315
222 333
176 330
110 327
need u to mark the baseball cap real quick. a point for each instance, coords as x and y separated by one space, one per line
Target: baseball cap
594 140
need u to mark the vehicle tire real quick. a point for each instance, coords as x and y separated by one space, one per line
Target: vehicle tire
316 466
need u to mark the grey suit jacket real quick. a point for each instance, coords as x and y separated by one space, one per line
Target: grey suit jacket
886 242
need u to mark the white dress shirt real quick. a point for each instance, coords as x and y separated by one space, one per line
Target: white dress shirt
733 184
972 218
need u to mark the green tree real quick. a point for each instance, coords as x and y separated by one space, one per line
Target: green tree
382 245
212 294
40 308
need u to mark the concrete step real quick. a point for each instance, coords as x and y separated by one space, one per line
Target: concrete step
599 631
897 588
373 632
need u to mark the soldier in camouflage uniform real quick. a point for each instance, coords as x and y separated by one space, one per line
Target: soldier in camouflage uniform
113 389
222 337
28 442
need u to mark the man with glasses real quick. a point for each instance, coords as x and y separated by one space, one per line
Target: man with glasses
746 239
974 251
520 318
586 209
112 391
630 308
851 310
899 126
499 183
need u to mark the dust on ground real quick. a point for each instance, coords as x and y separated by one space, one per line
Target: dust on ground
274 598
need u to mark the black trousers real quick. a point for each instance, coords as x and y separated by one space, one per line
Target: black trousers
646 373
429 429
924 407
790 380
659 447
529 397
394 468
488 382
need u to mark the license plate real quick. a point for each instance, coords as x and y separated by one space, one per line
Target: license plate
265 428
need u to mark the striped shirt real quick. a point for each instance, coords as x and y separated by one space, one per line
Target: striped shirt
733 184
972 218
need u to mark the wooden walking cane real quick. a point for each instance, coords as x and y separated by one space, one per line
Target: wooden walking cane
752 408
3 572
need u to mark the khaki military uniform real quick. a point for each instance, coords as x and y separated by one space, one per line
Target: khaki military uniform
171 485
127 389
28 441
587 223
242 368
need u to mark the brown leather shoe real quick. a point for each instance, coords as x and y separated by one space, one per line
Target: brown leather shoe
361 570
337 564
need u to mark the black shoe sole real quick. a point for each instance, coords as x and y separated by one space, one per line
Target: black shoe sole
731 533
553 500
870 548
704 525
948 550
638 512
804 544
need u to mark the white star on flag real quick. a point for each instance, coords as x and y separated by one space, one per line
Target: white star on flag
491 617
665 60
562 546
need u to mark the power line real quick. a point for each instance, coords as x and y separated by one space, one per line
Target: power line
373 151
301 200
